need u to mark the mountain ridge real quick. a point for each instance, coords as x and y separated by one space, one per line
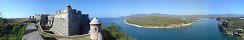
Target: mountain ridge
185 16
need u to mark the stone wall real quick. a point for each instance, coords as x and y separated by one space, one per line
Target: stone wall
66 22
70 23
44 20
50 21
74 25
60 24
85 23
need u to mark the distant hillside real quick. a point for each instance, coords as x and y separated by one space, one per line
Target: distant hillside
185 16
154 20
158 22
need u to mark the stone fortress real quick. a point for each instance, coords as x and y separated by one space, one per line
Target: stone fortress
66 24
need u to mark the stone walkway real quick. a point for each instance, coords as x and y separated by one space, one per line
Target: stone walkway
31 33
35 32
33 36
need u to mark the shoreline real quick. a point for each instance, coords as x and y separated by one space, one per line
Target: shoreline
160 26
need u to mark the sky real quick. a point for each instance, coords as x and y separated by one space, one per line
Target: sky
118 8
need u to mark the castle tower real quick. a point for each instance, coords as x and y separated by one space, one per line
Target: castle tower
68 7
95 30
68 22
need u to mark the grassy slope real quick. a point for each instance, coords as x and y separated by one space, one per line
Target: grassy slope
19 20
154 21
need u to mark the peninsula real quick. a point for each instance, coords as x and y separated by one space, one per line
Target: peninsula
158 22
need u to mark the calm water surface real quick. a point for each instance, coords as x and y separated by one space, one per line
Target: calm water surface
201 30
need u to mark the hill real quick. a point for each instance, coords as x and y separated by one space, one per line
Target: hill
158 22
185 16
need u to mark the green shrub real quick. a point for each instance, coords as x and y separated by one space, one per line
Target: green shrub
15 33
113 33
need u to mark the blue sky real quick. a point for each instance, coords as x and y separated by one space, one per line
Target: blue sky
117 8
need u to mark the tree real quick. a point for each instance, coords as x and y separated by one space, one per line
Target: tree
10 31
113 33
1 13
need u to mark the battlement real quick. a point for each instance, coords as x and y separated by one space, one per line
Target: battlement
85 14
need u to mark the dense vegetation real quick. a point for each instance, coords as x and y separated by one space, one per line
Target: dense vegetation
112 32
155 21
232 25
11 29
234 22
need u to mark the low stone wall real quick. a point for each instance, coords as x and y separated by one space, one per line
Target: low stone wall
76 37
